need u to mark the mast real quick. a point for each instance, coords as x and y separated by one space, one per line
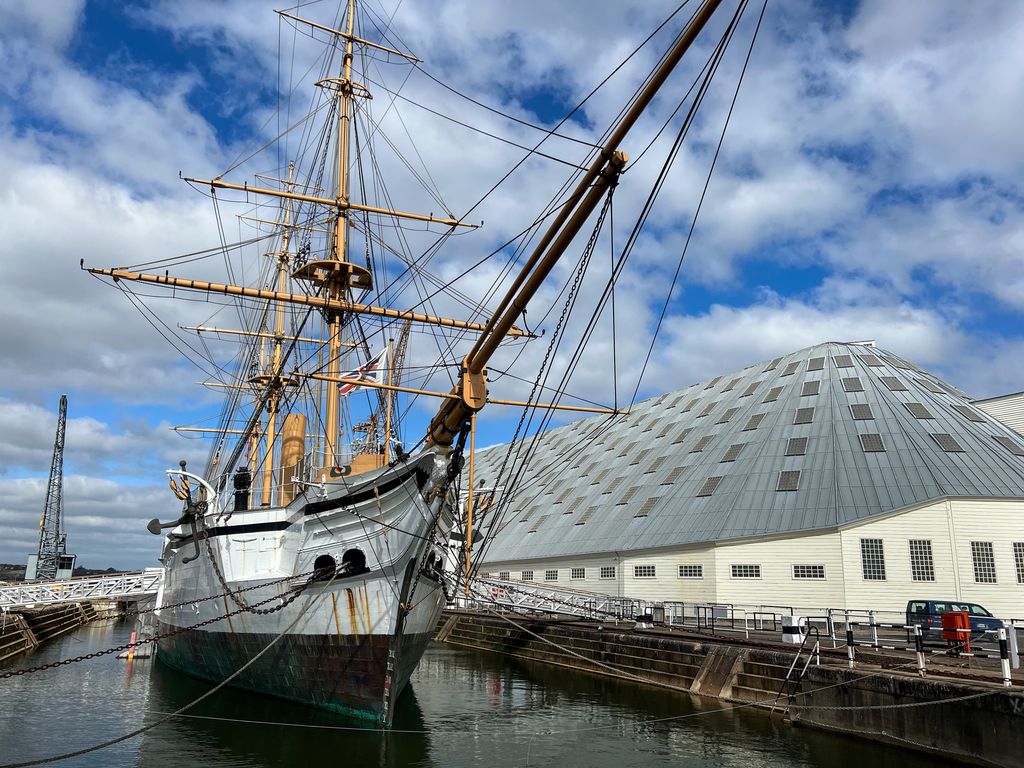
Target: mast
337 288
276 383
51 524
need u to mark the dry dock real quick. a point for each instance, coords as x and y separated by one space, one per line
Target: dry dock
953 712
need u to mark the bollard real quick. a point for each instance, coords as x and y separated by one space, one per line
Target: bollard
1004 657
874 628
131 650
849 645
919 646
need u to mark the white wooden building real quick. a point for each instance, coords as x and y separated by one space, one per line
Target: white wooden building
838 476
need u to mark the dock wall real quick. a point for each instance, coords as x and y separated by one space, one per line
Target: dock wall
27 628
869 701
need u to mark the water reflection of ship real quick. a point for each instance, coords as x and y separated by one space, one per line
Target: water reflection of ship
278 733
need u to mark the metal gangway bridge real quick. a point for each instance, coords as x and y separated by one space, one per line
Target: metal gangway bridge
115 587
484 592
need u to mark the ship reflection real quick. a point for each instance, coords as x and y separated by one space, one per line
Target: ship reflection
214 735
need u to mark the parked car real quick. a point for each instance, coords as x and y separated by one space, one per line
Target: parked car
928 614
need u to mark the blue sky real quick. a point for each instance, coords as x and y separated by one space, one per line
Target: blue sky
869 187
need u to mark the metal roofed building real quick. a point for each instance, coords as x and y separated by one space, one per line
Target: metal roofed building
840 475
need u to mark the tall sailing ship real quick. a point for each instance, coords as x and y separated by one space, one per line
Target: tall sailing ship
312 547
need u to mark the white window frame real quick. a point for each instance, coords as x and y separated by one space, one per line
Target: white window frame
745 571
922 561
697 574
809 572
578 574
526 575
607 572
875 571
645 572
551 575
983 570
504 575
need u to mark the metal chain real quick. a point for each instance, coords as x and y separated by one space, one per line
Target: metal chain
295 592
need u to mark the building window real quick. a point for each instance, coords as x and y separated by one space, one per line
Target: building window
804 416
1018 560
984 562
789 480
526 575
503 575
797 446
872 559
746 571
922 567
643 571
808 571
861 411
709 487
607 572
872 443
691 571
579 573
810 388
550 575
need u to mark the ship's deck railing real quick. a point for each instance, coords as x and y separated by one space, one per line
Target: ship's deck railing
119 586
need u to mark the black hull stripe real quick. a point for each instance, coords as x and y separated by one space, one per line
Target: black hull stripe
328 505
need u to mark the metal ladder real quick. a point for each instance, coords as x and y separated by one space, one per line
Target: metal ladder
796 673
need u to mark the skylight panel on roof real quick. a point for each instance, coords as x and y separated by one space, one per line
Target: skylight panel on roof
894 384
647 506
918 411
656 464
751 389
629 494
682 435
797 446
691 404
804 416
843 361
728 414
931 386
816 364
732 452
709 487
627 450
853 384
773 364
789 480
600 476
966 411
526 516
713 382
754 422
871 443
572 506
1009 445
791 368
861 411
731 384
640 457
673 475
707 409
872 361
669 426
773 395
946 442
536 526
587 514
810 388
701 444
612 485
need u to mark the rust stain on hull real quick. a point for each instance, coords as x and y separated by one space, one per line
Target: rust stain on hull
337 621
351 599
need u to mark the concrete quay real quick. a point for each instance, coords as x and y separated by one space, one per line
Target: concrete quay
961 714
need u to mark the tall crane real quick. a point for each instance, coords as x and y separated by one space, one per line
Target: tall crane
52 538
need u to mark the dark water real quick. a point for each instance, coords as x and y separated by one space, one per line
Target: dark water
463 709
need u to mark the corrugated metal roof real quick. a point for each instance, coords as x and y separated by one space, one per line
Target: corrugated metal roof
658 475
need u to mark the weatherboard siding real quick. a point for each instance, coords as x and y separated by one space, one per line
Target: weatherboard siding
1008 409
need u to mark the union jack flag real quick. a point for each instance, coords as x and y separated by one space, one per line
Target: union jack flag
372 371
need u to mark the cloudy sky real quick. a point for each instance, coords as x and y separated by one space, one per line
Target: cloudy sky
869 187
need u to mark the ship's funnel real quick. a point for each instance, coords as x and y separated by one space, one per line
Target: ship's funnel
293 448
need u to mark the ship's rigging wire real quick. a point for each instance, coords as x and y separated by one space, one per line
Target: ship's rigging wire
696 213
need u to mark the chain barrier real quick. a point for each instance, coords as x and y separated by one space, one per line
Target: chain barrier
286 599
